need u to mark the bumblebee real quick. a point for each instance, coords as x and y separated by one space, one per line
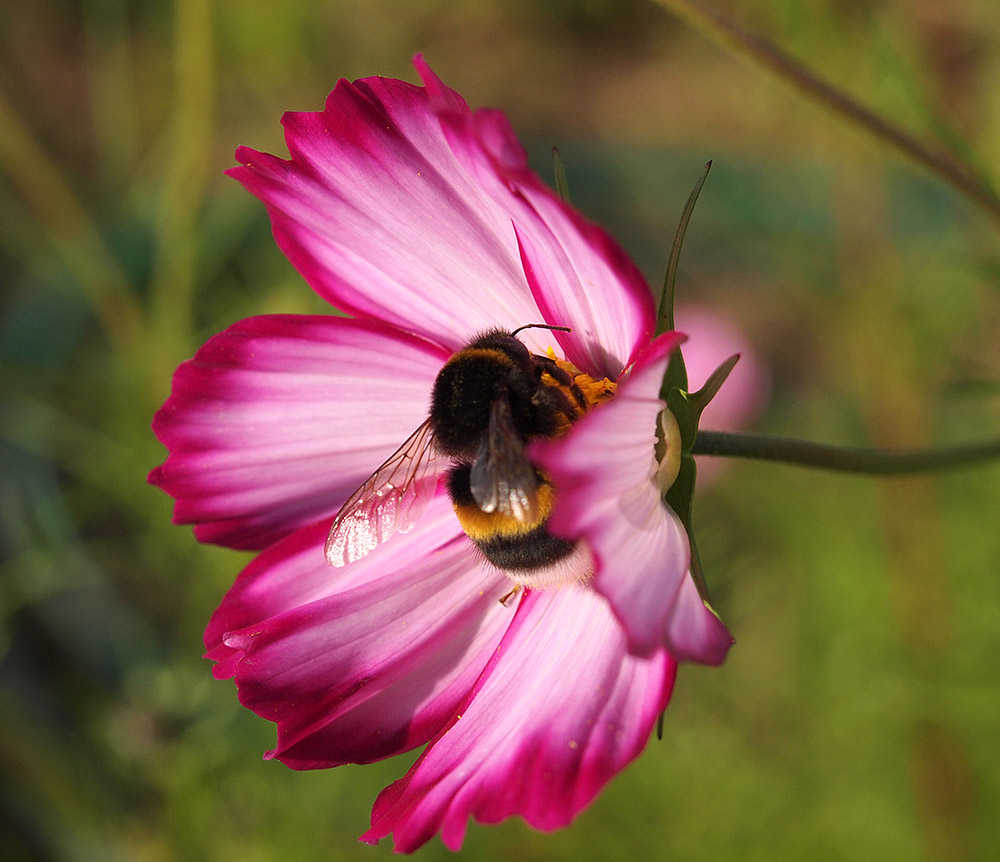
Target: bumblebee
489 399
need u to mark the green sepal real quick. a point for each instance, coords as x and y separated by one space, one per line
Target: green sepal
676 376
665 314
680 404
703 396
680 497
687 407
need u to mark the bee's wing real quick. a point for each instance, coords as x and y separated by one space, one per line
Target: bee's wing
392 500
502 478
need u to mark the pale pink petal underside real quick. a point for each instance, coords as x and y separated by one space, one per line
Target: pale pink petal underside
377 666
561 709
278 419
604 472
578 274
294 572
379 216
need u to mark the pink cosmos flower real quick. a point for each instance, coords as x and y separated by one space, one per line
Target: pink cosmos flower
422 220
713 338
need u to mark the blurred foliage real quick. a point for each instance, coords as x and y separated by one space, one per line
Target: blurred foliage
856 718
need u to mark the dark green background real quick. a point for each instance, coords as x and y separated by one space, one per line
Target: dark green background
858 715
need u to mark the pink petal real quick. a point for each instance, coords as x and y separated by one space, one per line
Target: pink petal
578 274
401 204
604 472
294 572
383 221
560 710
380 665
694 632
276 420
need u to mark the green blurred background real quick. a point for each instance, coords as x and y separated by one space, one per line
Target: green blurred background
858 716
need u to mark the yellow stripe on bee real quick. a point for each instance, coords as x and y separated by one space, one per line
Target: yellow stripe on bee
483 352
482 526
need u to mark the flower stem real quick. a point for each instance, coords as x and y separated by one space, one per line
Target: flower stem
759 50
843 459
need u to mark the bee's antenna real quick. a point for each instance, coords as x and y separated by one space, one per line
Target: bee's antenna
541 326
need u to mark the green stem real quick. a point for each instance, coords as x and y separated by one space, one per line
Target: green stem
730 36
843 459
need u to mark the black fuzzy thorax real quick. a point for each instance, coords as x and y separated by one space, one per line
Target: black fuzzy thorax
492 366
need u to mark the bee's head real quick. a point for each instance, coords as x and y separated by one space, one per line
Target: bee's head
495 364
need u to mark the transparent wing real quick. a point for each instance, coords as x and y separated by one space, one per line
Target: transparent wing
502 478
391 501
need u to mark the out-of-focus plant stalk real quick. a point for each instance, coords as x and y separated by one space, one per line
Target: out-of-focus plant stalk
111 85
184 180
101 458
761 51
70 231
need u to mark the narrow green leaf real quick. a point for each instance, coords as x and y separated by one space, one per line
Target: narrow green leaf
665 320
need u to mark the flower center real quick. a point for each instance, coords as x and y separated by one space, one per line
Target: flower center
594 391
667 450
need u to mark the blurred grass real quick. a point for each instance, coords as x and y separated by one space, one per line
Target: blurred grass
857 716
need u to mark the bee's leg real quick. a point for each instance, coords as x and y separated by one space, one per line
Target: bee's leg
508 596
556 400
547 365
